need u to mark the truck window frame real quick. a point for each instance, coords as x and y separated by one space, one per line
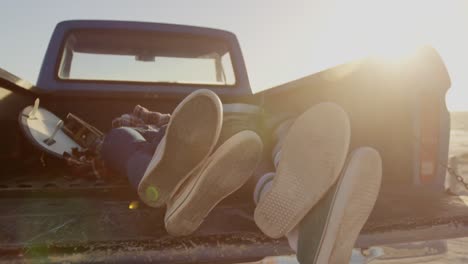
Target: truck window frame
61 54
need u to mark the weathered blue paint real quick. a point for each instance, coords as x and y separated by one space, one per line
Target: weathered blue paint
48 81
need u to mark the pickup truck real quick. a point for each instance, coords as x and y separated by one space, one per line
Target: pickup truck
98 70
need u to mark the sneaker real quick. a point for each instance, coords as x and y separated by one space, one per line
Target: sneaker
225 171
263 186
190 137
328 232
312 156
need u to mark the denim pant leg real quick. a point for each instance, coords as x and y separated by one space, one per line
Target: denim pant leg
127 153
118 146
152 136
136 166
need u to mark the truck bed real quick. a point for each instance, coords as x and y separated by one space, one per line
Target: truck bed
98 229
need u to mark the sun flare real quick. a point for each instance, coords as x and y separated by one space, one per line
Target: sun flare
393 29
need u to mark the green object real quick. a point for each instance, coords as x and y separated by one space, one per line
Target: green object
152 193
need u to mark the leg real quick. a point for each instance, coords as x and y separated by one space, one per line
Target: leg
328 231
118 146
154 137
136 167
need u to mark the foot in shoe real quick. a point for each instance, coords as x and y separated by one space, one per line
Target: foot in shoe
191 135
328 232
226 170
312 157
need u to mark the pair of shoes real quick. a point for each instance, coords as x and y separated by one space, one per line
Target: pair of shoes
186 175
316 191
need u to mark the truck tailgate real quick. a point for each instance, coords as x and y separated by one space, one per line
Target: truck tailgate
88 230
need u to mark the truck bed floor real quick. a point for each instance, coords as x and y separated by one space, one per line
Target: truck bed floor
91 225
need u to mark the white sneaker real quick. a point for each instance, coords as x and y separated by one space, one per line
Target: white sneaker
328 232
225 171
312 157
190 137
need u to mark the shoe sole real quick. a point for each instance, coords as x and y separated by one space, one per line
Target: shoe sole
358 206
328 232
312 156
191 135
226 170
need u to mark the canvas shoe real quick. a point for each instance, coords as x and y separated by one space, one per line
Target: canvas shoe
312 156
263 185
226 170
191 135
328 232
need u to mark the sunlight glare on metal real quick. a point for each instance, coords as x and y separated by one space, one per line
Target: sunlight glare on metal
341 71
397 54
133 205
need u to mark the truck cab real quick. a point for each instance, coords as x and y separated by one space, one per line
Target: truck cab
98 70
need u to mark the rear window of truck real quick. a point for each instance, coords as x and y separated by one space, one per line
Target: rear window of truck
152 57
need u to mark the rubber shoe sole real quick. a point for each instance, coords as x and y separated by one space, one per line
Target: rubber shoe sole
313 155
328 232
226 170
190 137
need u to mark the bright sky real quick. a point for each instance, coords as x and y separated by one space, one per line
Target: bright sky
281 40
